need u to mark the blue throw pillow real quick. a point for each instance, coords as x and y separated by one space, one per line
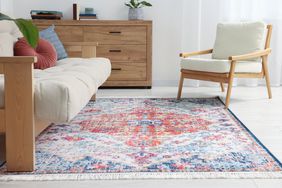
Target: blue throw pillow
50 35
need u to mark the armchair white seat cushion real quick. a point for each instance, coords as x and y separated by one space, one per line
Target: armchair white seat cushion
239 38
219 65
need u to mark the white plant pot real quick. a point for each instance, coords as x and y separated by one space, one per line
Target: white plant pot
135 14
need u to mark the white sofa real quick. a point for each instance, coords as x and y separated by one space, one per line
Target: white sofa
62 91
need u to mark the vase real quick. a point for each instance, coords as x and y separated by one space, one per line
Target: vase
135 14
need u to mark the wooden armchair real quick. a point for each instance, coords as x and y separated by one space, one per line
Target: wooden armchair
238 66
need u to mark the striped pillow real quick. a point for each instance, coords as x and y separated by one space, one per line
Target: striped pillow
50 35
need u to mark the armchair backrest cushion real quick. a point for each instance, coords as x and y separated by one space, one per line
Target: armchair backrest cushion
239 38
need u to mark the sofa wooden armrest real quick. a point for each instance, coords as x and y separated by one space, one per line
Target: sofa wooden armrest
252 55
17 119
185 55
17 116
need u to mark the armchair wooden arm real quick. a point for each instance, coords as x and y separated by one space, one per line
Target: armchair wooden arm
184 55
252 55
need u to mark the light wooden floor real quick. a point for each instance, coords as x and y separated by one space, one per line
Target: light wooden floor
262 116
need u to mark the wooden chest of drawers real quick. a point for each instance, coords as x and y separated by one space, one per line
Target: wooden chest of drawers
128 44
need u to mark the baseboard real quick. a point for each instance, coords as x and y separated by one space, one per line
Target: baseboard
195 83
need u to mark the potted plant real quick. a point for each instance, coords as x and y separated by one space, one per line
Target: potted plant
136 9
28 29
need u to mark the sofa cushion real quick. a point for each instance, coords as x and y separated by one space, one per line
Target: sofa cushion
6 44
10 27
50 35
62 91
9 34
45 52
239 38
219 65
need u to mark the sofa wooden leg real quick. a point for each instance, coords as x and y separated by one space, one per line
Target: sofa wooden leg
93 97
2 148
180 86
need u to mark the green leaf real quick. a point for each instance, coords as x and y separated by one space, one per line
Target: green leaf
4 17
146 4
133 3
29 31
129 5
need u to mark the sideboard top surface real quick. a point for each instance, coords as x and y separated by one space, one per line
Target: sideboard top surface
92 22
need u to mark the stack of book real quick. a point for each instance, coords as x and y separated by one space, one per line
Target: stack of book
47 15
87 16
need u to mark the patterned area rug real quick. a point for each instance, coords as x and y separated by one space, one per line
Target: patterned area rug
151 138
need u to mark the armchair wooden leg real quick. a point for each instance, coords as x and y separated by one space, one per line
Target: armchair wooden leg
267 78
230 83
180 86
222 87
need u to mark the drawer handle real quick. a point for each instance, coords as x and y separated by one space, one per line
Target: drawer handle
115 32
116 69
118 51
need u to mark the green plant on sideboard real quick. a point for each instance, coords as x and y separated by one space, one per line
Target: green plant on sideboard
28 29
138 4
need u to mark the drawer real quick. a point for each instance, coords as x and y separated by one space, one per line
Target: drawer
67 33
70 33
123 52
128 71
115 34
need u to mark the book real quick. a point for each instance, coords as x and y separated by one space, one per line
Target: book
46 14
76 11
87 15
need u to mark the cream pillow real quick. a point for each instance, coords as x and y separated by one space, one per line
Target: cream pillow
239 38
7 44
10 27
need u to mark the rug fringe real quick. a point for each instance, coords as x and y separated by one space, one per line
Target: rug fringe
143 175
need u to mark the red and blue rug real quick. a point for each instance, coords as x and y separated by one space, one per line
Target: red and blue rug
153 138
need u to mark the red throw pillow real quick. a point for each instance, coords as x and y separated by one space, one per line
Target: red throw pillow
45 53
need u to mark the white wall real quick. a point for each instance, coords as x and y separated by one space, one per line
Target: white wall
7 7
